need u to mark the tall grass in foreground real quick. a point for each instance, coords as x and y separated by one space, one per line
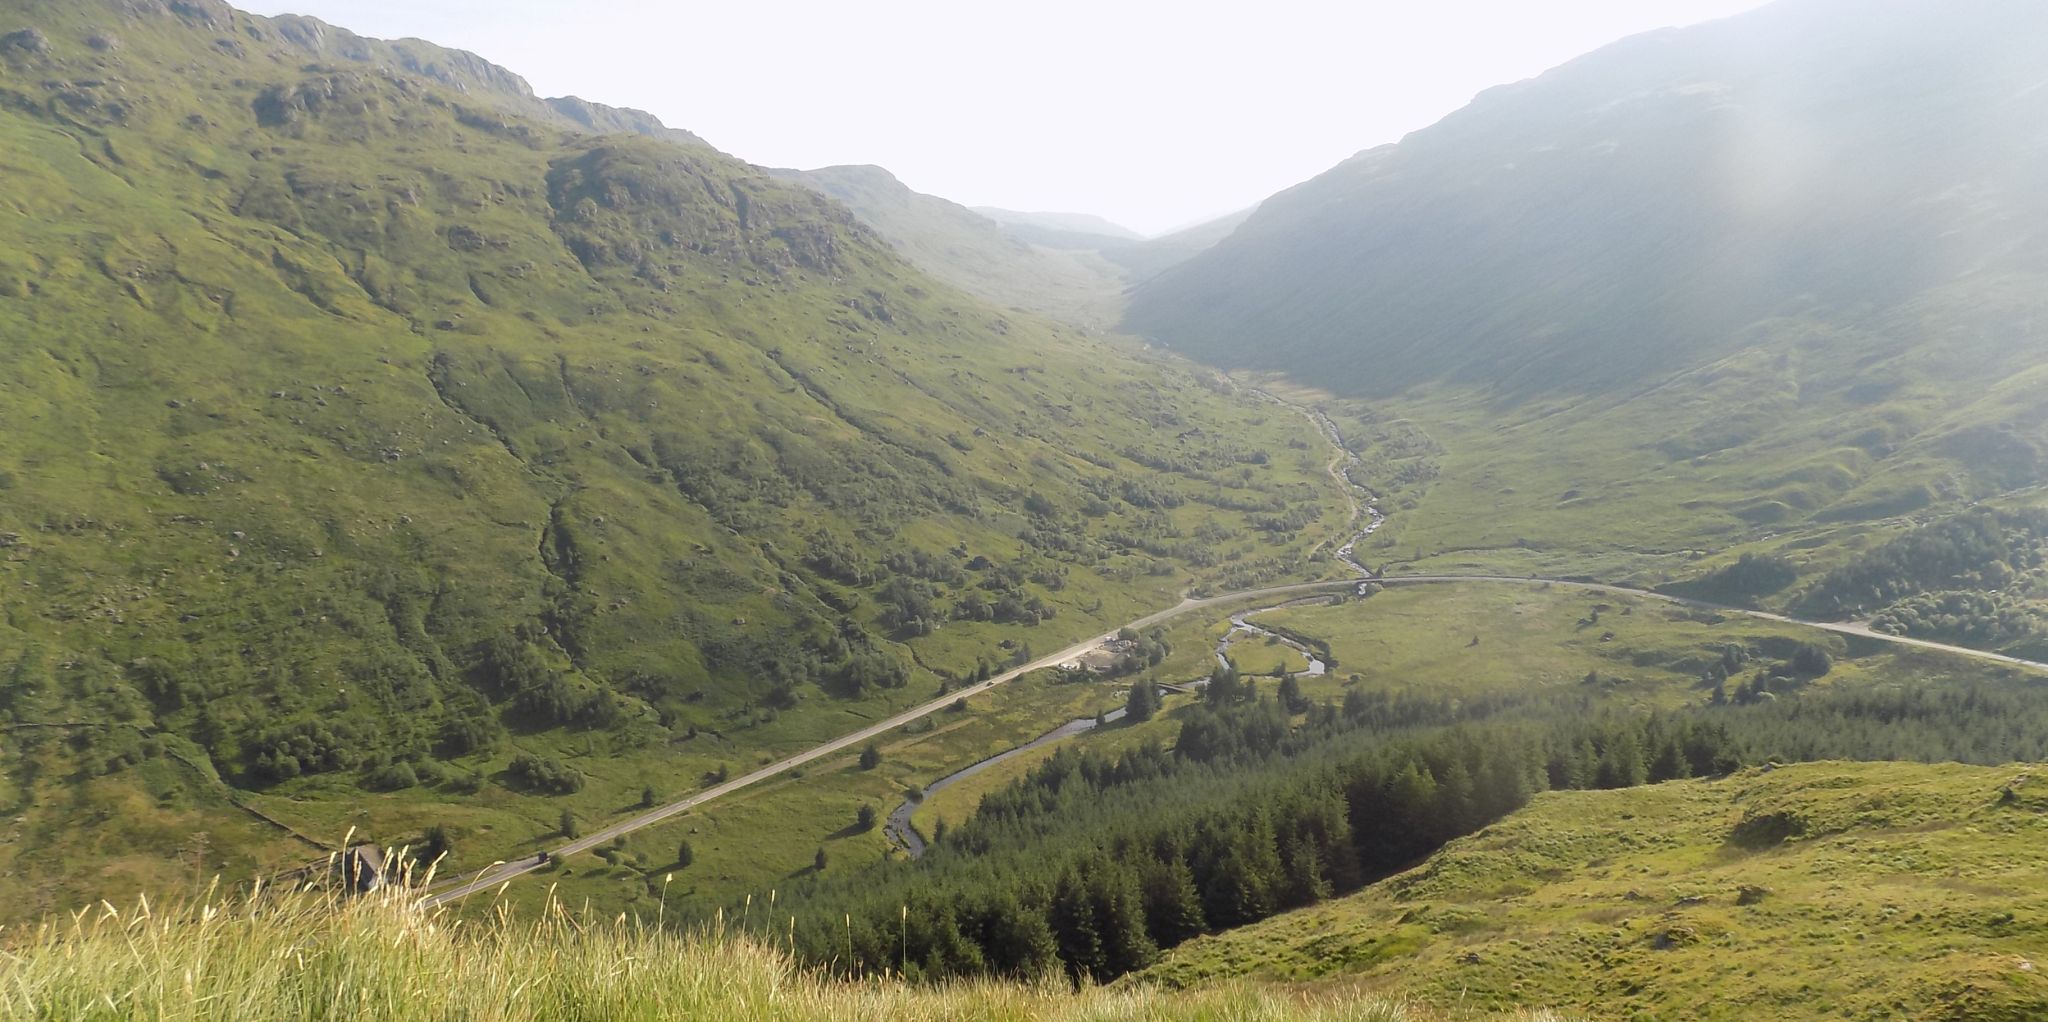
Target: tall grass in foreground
306 955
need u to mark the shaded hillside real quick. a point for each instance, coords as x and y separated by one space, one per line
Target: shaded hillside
1656 205
1038 226
1146 259
971 251
1767 285
381 446
1071 266
1140 258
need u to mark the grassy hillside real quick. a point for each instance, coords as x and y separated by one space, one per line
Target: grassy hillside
1138 258
1537 646
1073 267
1643 208
382 449
1767 285
382 960
1644 490
1149 258
1640 656
1448 708
973 252
1819 891
1049 225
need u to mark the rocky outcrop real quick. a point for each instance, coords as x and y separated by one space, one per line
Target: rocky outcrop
610 120
27 41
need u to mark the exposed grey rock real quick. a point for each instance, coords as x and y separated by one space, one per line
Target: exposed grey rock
28 40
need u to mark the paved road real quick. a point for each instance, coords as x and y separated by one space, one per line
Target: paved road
502 872
1857 629
904 835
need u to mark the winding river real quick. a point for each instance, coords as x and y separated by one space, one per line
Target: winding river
902 833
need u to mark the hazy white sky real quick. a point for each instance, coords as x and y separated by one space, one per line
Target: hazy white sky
1152 113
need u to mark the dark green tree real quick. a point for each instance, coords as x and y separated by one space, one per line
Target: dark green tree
1290 695
1668 762
1621 762
1811 661
1072 919
435 845
1223 689
1120 920
1143 701
1173 908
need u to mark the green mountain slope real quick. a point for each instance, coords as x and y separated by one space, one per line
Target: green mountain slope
1767 285
1053 225
973 252
1139 258
1070 266
371 427
1146 259
1816 891
1645 207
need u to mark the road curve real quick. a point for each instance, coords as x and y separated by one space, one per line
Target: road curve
499 873
503 872
1840 627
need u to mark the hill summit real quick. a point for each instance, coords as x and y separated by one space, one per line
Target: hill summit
1654 205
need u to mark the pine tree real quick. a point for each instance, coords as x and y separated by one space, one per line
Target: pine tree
1669 762
1505 782
1143 701
1072 918
1408 802
1290 695
1301 868
870 757
1173 908
1585 764
1119 920
685 855
1237 892
1016 941
1621 761
1455 811
1223 688
1356 706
